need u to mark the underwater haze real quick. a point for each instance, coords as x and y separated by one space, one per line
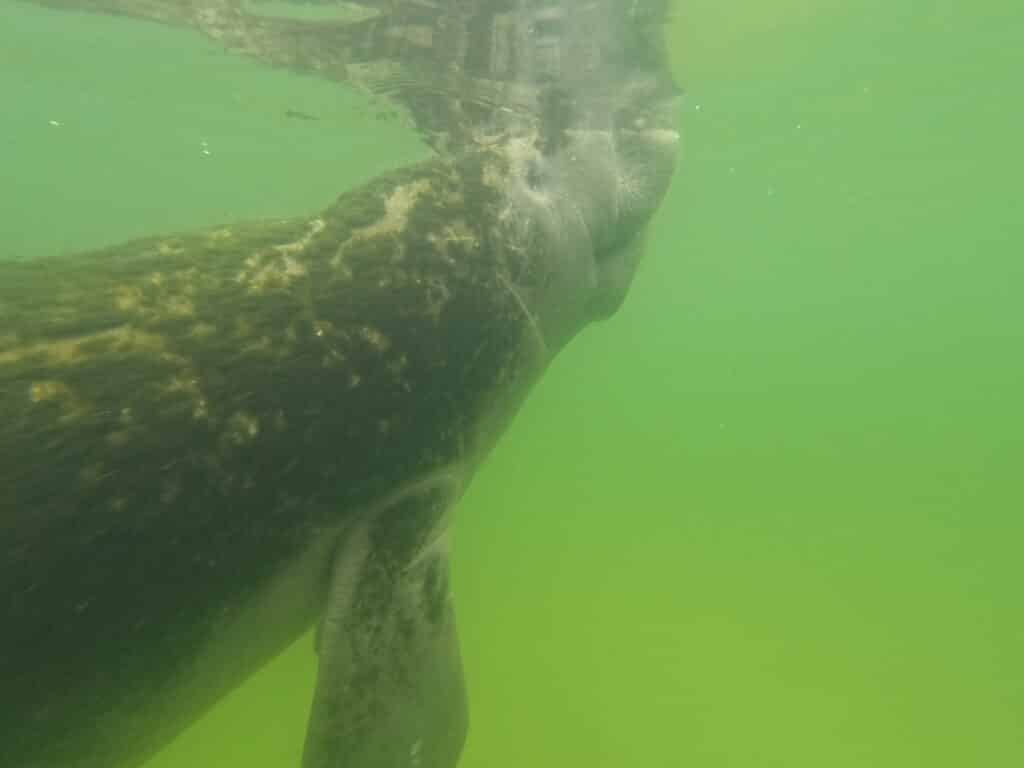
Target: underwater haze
769 514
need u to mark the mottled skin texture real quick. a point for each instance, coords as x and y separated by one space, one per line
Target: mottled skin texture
192 413
211 441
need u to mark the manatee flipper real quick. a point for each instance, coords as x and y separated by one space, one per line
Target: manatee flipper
389 689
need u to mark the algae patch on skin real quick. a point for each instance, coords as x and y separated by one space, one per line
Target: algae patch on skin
396 211
80 349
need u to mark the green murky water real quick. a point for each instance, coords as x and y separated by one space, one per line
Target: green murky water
768 515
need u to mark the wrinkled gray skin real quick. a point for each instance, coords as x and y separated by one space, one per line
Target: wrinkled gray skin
212 441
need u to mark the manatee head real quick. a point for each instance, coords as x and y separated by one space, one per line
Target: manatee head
587 176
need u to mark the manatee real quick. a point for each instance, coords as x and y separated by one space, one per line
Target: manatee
212 441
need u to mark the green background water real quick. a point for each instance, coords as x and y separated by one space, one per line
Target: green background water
770 514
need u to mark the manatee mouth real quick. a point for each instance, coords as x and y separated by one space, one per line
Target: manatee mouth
645 164
615 273
647 143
